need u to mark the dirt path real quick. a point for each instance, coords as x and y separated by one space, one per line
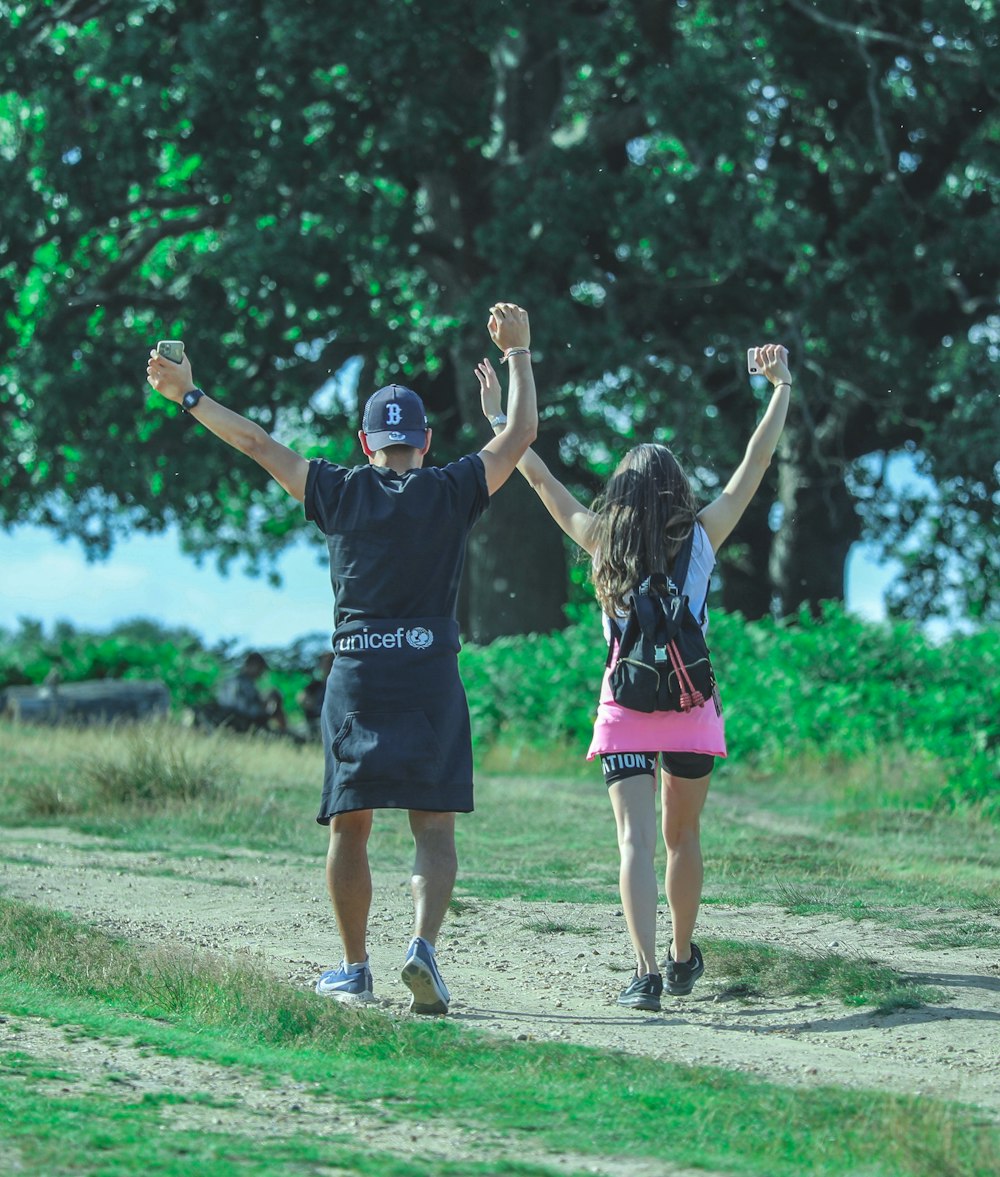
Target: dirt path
511 974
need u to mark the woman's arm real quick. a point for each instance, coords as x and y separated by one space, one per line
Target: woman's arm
510 331
721 516
285 466
571 515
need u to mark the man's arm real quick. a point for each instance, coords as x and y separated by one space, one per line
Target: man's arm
285 466
721 516
511 332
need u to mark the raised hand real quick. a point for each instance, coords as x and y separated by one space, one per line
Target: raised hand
772 359
489 388
508 326
170 379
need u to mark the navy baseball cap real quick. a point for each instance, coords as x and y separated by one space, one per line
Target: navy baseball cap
394 416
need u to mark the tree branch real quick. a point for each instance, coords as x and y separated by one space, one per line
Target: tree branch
134 253
868 34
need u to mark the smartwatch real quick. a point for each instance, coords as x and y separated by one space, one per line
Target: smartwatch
190 399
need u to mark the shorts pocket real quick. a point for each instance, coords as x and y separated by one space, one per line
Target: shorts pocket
382 747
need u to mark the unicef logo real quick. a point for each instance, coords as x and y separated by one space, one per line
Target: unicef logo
419 638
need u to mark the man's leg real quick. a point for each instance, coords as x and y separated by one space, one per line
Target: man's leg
435 865
349 880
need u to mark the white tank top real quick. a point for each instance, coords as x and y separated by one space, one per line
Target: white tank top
695 585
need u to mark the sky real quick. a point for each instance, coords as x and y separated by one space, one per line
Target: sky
46 580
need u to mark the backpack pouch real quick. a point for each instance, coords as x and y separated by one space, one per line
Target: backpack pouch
635 684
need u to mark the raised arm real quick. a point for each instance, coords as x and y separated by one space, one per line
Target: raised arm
571 515
721 516
285 466
510 331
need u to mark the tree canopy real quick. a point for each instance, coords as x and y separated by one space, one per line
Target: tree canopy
322 198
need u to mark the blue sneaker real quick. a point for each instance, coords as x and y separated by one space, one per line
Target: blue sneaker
343 984
421 977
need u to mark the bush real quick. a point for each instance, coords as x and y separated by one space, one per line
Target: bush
144 649
837 687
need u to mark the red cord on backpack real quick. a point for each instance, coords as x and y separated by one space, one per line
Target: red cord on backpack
690 697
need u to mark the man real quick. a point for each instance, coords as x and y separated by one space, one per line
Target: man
311 697
395 721
240 703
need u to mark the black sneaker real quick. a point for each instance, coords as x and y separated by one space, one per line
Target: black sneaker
681 977
642 992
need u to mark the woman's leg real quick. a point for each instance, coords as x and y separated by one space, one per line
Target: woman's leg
634 802
683 801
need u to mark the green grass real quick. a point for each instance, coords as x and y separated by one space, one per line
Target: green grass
809 836
755 970
88 1133
562 1099
812 837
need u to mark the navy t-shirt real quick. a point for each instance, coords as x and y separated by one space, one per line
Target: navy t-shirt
396 541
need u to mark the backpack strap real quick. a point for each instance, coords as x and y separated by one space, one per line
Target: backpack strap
641 612
615 638
682 561
643 603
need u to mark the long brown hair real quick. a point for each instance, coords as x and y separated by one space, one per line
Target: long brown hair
645 513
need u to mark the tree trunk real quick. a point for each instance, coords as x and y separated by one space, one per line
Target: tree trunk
746 582
818 526
515 575
515 578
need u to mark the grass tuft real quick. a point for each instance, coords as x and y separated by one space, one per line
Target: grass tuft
146 765
761 970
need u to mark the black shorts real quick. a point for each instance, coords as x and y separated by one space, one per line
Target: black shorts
689 766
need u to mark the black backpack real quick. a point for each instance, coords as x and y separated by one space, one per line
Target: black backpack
663 661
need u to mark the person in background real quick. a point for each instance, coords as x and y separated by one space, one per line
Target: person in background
311 697
396 728
645 515
243 706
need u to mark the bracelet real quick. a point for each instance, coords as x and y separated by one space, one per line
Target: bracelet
499 421
786 383
515 351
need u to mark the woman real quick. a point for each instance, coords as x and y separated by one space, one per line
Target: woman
636 528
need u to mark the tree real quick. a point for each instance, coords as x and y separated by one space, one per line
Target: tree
317 195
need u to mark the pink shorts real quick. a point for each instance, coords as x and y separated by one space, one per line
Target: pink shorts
617 729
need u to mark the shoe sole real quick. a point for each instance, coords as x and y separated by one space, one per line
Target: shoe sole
648 1003
348 998
425 997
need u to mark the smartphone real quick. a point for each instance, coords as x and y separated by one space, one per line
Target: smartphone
171 349
751 365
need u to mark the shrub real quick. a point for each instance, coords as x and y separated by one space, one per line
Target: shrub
836 685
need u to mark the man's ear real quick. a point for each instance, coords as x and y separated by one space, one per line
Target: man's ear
364 445
427 445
